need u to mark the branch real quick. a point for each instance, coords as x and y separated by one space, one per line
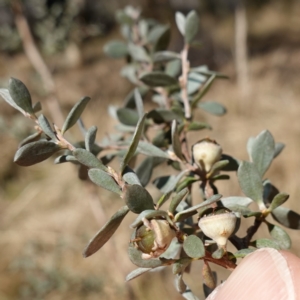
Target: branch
183 80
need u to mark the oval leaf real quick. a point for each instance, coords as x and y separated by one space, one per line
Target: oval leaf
286 217
128 116
32 138
191 26
265 243
157 78
278 200
136 273
278 234
163 56
193 247
138 53
116 49
130 177
198 126
137 198
180 22
176 144
134 143
35 152
151 150
88 159
261 151
104 180
177 199
250 181
135 256
20 95
4 93
75 113
89 138
149 214
46 127
144 170
139 102
213 108
106 232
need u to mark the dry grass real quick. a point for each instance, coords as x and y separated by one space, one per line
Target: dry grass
48 215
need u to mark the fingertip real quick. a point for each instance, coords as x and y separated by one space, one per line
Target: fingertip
263 274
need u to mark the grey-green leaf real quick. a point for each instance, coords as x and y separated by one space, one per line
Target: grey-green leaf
213 108
203 90
193 247
261 151
88 159
116 49
180 265
106 232
151 150
207 203
158 78
138 53
138 102
177 199
4 93
20 95
163 56
278 200
233 164
191 26
180 22
134 143
265 243
176 141
219 165
104 180
136 273
198 126
46 127
128 116
35 152
149 214
75 113
135 256
37 107
278 148
160 115
234 201
31 138
137 198
130 176
89 138
162 38
243 252
144 170
286 217
250 181
281 237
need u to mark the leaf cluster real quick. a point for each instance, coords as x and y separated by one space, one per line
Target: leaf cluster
177 89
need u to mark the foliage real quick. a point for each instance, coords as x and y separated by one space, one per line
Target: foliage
187 229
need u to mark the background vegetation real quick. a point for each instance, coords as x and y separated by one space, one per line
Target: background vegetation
48 215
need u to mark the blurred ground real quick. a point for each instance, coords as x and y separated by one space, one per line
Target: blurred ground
48 215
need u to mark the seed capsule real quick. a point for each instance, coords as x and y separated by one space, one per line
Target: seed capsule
206 153
218 227
154 237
